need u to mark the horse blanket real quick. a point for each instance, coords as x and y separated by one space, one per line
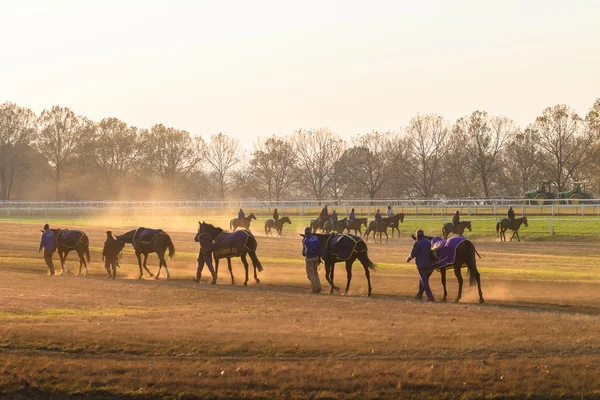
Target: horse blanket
69 238
146 235
231 244
342 246
445 250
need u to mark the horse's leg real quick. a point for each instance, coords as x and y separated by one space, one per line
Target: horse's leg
82 262
348 275
460 282
387 238
517 233
478 279
63 260
443 273
163 262
230 270
216 268
139 258
159 264
145 265
245 262
513 235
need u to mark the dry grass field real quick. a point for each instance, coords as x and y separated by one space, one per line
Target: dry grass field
537 335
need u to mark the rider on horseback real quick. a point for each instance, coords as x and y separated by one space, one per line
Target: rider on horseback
275 216
334 218
456 218
241 214
389 211
511 214
351 218
378 217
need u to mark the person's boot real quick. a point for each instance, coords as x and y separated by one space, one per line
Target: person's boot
198 276
431 300
114 272
109 274
214 280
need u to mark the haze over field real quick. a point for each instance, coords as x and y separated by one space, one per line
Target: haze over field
265 67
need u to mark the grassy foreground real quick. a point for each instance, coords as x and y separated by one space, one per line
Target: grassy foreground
537 335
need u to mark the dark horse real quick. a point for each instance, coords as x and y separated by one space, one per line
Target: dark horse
464 256
458 229
319 223
68 240
347 248
505 224
232 244
381 227
145 241
244 222
270 224
356 225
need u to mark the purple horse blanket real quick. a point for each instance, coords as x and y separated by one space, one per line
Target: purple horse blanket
232 244
445 250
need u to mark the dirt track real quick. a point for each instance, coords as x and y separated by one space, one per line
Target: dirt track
537 333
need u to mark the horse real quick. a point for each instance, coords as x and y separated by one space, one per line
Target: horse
145 241
458 229
319 223
381 227
504 224
394 222
68 240
270 223
232 244
244 222
464 256
355 224
347 248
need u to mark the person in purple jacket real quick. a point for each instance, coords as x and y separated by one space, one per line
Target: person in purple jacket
48 243
422 252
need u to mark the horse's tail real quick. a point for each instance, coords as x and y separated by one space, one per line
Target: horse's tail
266 227
364 259
171 247
252 253
497 228
472 266
86 248
230 224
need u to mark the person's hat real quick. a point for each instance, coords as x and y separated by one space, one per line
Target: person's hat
307 230
420 233
109 233
46 227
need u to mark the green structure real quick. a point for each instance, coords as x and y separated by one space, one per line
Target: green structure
542 195
574 195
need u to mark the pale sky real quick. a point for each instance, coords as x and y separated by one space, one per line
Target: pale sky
257 68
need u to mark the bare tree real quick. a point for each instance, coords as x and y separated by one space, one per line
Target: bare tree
112 150
520 161
222 156
565 145
61 133
365 163
273 168
317 151
17 130
482 139
427 137
173 154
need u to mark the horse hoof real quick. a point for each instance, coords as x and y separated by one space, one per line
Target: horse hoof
152 275
481 300
345 293
336 288
168 277
245 283
140 277
444 300
257 280
156 277
457 301
369 294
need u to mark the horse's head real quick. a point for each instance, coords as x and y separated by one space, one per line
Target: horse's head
524 219
468 225
126 237
286 220
251 216
401 216
209 228
363 221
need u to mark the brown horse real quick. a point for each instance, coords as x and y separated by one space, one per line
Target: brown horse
244 222
505 224
381 227
68 240
356 225
270 224
458 229
157 242
464 257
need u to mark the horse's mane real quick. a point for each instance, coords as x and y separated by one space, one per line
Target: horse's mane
211 227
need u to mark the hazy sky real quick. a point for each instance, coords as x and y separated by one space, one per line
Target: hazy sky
256 68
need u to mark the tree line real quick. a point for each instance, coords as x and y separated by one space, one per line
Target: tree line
60 155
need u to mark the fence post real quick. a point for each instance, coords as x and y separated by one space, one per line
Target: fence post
551 229
469 209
